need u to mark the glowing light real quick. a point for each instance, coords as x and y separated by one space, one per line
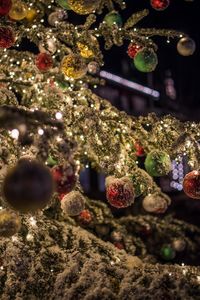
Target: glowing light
15 134
59 116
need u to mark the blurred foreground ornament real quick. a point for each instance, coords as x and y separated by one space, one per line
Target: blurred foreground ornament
133 50
119 191
73 204
73 66
44 62
65 178
18 10
191 184
186 46
83 7
160 4
5 6
146 60
156 203
9 223
113 18
28 187
167 252
7 37
158 163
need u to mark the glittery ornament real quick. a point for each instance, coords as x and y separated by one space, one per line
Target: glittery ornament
179 245
18 10
48 45
139 150
186 46
167 252
5 6
83 7
156 203
85 217
64 4
158 163
145 60
28 187
113 18
160 4
7 37
65 178
73 66
9 223
31 14
191 184
93 67
141 181
73 204
44 62
55 17
133 50
119 192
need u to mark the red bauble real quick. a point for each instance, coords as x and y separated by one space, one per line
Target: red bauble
5 6
133 50
119 192
191 184
160 4
44 61
119 245
7 37
85 217
139 150
65 179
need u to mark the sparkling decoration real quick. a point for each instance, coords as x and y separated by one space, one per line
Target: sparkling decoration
179 245
18 10
158 163
64 4
139 150
73 66
186 46
141 181
83 7
65 178
44 62
133 50
9 223
7 37
85 217
28 187
113 18
191 184
73 204
146 60
5 6
167 252
156 203
31 14
48 45
93 67
160 4
56 17
119 192
85 50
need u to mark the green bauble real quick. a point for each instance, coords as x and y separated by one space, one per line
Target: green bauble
167 252
62 84
51 162
146 60
113 18
64 4
158 163
141 182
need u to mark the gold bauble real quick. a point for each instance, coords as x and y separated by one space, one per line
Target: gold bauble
89 48
18 11
9 223
73 66
31 14
85 51
83 7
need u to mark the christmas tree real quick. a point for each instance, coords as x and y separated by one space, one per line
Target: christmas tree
56 242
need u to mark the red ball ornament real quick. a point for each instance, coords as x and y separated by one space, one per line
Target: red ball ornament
5 6
85 217
65 179
133 50
119 245
139 150
191 184
44 61
160 4
120 192
7 37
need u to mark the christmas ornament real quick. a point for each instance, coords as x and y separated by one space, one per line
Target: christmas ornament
51 161
158 163
119 192
7 37
31 14
65 178
156 203
62 84
28 187
160 4
179 245
133 50
83 7
167 252
186 46
85 217
5 6
113 18
18 10
44 62
73 204
141 181
146 60
9 223
48 45
55 17
93 67
118 245
116 236
139 150
64 4
73 66
191 184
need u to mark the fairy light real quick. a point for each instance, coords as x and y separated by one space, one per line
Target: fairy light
59 115
15 134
